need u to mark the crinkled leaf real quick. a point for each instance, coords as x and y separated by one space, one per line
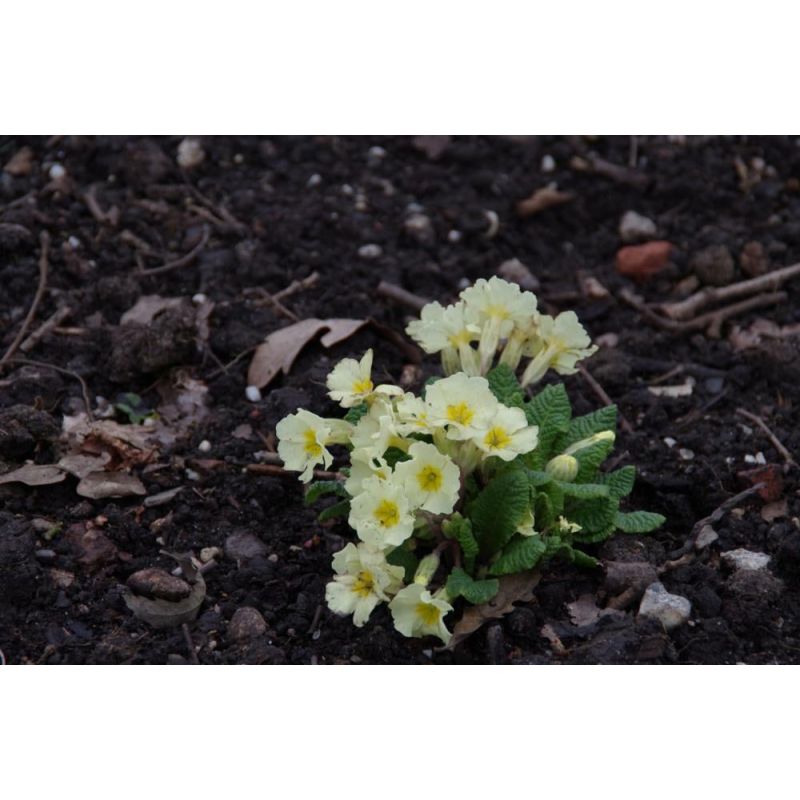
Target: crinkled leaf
512 589
394 455
620 481
355 413
595 515
340 509
521 553
638 521
583 491
581 559
460 529
551 411
505 386
499 509
604 419
320 488
459 584
593 537
590 458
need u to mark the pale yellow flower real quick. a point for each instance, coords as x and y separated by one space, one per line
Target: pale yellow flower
417 613
363 579
430 478
461 404
449 331
562 342
381 513
507 434
302 441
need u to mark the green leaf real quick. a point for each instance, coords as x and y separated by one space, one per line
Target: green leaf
459 584
595 515
402 557
556 497
587 537
543 512
521 553
581 559
355 413
590 458
319 488
638 521
340 509
538 478
551 411
499 509
505 386
604 419
620 482
460 529
394 455
583 491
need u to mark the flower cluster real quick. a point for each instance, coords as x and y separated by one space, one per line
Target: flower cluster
500 318
468 476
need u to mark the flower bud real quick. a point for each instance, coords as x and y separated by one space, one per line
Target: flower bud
426 569
563 468
603 436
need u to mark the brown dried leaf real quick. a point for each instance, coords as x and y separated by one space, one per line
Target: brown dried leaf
513 589
81 465
775 510
165 613
147 307
279 350
544 198
184 405
98 485
20 163
35 475
585 611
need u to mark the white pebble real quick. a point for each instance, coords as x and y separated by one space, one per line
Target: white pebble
204 446
454 236
253 394
347 189
760 459
199 298
314 180
706 537
745 559
74 242
548 163
375 155
56 172
192 475
669 441
634 227
238 159
686 454
190 153
671 610
370 251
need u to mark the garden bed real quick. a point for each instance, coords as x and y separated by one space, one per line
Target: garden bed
321 222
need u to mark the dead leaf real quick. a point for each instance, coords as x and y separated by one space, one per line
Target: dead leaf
98 485
91 546
544 198
279 350
20 163
513 589
585 611
775 510
243 431
147 307
184 405
341 329
165 613
770 475
161 498
35 475
81 465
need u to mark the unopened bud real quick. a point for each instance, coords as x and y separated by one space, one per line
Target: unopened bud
426 569
563 468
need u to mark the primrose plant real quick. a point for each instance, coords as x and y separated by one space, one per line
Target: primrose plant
472 481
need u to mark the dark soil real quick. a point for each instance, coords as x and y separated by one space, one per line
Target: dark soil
272 222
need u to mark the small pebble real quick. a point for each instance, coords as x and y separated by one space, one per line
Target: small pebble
314 180
515 271
199 298
714 265
204 446
46 556
347 189
370 251
686 454
158 583
253 394
642 261
273 558
192 475
420 228
669 441
246 623
635 227
190 153
238 159
706 537
56 172
745 559
74 242
454 236
672 610
209 553
375 155
548 163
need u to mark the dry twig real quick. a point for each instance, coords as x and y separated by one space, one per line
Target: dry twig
187 636
401 296
110 217
183 260
50 324
776 442
44 365
603 396
277 471
44 239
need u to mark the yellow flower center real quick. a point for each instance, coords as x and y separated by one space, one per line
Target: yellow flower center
430 478
363 584
461 413
428 613
363 386
462 337
497 311
497 438
387 513
312 446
